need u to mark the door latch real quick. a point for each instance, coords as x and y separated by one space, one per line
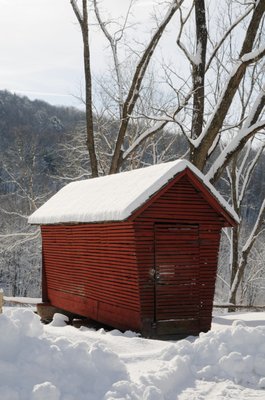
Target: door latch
155 275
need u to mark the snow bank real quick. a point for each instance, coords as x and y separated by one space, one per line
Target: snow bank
63 363
236 354
37 368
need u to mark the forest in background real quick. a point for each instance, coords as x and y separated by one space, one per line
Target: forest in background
44 147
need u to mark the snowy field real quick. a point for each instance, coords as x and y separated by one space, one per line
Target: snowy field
59 362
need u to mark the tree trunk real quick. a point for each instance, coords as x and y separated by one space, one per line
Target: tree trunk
88 95
198 69
83 22
234 265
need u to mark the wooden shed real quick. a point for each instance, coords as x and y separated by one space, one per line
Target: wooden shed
136 250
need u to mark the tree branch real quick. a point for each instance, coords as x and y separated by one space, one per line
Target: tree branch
231 149
113 44
247 249
226 35
156 128
135 86
249 171
250 128
77 11
204 142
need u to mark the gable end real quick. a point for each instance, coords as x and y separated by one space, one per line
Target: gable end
225 219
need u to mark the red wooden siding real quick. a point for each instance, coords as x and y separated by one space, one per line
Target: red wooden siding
154 273
177 279
209 246
181 203
185 200
91 270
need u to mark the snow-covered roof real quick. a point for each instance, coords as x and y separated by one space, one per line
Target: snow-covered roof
114 197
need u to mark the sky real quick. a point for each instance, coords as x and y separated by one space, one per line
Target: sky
41 47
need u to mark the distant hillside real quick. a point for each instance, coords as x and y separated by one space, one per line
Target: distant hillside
32 128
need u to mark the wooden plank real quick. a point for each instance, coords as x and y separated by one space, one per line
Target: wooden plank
181 199
177 269
116 316
187 326
87 262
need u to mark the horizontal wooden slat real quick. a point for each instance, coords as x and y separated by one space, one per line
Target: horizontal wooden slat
109 266
92 263
182 203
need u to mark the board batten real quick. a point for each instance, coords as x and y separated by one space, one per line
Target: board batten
91 270
180 203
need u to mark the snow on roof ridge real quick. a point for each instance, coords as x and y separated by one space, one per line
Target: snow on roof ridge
114 197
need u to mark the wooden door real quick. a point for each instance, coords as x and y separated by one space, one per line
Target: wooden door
177 293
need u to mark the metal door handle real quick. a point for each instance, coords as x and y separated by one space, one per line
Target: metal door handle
155 275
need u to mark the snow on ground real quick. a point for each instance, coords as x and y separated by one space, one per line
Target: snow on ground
60 362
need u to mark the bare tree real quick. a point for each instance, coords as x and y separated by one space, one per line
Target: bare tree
252 287
204 55
126 99
208 123
19 242
82 17
242 239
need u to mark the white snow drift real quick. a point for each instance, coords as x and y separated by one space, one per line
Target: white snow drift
59 362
